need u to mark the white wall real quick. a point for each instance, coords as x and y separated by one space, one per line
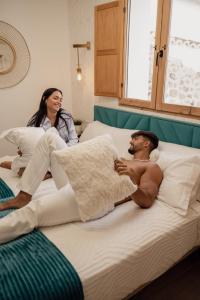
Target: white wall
82 30
44 25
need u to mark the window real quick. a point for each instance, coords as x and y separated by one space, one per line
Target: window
160 56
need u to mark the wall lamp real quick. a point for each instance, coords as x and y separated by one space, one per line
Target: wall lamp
78 70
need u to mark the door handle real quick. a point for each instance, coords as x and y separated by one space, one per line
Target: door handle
159 54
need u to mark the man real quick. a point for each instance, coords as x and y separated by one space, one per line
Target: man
146 174
61 207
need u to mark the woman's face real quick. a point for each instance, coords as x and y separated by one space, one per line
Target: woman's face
54 102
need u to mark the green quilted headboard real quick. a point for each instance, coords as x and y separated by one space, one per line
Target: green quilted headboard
167 130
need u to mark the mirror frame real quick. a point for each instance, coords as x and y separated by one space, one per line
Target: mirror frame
10 68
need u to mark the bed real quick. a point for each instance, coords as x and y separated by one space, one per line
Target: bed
118 254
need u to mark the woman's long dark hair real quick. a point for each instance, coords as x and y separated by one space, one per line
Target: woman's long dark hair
42 111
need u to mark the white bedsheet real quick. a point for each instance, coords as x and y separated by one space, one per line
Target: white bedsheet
126 249
120 252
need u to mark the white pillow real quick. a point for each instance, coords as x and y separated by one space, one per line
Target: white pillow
121 138
25 138
180 182
170 152
90 169
178 150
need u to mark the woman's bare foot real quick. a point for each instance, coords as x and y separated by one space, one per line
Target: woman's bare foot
19 201
6 164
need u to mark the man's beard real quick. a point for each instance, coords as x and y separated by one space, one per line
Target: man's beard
131 150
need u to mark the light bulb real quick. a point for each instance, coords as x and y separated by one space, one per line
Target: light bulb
78 74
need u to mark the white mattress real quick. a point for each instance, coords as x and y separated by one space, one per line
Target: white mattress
119 253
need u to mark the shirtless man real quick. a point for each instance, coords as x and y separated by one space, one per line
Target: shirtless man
146 174
54 209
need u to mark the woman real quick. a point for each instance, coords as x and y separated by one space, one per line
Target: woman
51 114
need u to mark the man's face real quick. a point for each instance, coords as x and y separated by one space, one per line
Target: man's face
137 143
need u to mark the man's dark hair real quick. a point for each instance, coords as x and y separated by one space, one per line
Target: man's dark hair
149 135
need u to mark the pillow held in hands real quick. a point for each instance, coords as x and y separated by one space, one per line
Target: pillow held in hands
90 169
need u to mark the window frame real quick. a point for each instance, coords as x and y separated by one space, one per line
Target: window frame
110 77
156 102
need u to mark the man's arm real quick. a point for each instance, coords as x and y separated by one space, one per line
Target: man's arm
148 188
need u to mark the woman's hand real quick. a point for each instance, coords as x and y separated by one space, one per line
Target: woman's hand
19 152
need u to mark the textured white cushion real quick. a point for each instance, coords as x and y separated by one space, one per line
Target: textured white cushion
121 138
90 169
180 182
25 138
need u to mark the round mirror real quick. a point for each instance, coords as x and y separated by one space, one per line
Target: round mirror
7 56
14 56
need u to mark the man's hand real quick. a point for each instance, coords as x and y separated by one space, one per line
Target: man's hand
123 167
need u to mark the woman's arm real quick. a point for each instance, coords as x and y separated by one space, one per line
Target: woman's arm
71 135
73 139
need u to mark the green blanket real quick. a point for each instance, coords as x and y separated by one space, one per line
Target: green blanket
31 267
